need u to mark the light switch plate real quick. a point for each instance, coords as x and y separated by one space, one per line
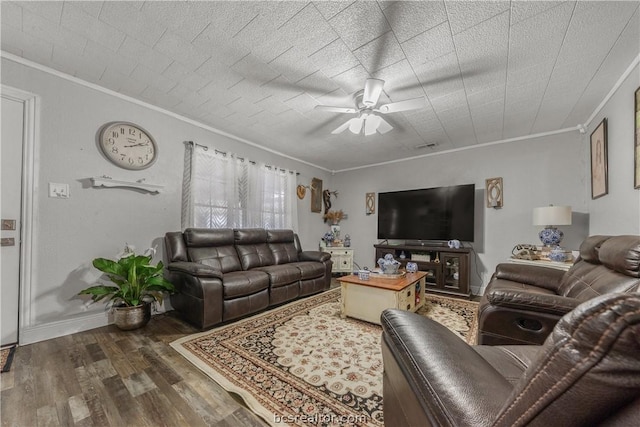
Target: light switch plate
59 191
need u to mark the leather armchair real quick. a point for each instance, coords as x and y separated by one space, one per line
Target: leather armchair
522 303
586 373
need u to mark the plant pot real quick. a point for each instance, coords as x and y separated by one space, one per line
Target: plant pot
128 318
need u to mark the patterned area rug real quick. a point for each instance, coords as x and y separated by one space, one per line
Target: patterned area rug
6 357
302 364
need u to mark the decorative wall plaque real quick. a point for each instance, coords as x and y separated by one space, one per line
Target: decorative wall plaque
494 192
370 203
316 195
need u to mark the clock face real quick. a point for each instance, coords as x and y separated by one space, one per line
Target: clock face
128 145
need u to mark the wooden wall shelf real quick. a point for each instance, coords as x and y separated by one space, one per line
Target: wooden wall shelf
104 181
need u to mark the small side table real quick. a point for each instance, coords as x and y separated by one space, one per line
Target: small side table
543 263
342 259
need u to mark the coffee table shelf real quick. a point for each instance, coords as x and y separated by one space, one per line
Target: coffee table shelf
366 299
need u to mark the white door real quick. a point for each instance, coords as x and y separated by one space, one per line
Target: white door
11 147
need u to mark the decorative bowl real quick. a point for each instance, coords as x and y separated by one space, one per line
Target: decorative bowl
390 268
388 265
557 254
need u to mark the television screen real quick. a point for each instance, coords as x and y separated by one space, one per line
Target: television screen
442 213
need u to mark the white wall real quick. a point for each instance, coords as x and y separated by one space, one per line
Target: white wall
97 222
535 172
619 111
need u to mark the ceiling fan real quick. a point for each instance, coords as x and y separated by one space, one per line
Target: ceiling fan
369 117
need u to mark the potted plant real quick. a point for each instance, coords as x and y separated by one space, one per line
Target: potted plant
138 284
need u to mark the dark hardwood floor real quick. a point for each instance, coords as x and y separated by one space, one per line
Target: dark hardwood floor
108 377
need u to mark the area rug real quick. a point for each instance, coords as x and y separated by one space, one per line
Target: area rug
6 358
302 364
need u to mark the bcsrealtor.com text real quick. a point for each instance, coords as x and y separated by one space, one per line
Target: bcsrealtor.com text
321 419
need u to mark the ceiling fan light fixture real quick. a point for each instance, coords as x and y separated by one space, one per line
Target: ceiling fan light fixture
372 91
384 126
371 124
355 125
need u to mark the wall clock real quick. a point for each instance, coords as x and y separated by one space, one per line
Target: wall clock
127 145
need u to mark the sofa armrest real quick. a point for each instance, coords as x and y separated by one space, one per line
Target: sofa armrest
542 277
314 256
433 377
194 269
539 303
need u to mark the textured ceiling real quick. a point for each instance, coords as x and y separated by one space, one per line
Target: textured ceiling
489 71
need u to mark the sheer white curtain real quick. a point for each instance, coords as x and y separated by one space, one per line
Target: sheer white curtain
223 191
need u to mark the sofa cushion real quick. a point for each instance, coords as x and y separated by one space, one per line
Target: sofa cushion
622 254
252 248
578 273
280 275
175 247
589 248
223 258
616 270
310 269
282 245
602 281
207 237
212 247
240 283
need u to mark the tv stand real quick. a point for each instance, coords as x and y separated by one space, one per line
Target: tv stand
447 268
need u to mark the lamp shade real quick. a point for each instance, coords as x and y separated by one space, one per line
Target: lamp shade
552 215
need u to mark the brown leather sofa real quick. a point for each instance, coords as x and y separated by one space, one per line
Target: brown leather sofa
522 303
587 372
224 274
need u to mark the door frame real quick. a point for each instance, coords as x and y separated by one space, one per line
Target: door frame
29 195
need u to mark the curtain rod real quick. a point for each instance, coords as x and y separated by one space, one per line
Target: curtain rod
242 159
197 145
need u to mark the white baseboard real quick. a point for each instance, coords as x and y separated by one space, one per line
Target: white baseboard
33 334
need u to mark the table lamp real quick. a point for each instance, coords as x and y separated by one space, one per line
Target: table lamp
550 216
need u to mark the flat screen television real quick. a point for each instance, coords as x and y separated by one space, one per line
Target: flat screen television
442 213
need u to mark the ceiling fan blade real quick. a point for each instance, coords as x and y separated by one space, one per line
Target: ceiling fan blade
383 126
372 91
343 127
409 104
371 124
335 109
355 125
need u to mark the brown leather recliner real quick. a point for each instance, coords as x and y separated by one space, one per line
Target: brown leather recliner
224 274
522 303
587 372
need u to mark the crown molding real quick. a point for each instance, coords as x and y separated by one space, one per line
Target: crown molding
127 98
65 76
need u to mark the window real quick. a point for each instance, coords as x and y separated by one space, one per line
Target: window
221 190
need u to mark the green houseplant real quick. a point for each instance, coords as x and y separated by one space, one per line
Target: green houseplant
138 284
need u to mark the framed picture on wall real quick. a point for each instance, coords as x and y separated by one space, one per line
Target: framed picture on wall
599 178
636 145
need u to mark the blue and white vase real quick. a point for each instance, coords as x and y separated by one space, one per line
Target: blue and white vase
411 267
551 236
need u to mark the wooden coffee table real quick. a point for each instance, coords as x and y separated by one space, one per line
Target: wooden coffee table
366 299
